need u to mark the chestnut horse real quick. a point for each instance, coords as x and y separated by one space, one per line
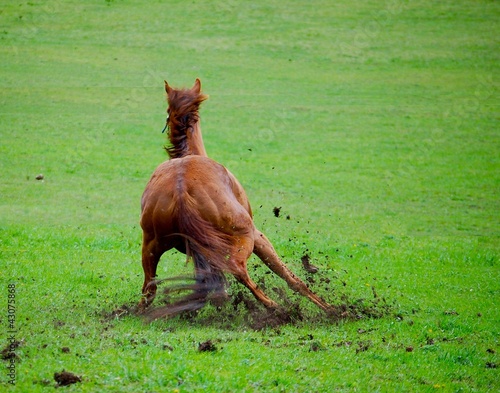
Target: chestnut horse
195 205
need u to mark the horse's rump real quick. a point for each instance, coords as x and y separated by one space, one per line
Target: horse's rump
177 217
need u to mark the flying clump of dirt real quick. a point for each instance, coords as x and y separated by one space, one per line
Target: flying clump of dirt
308 267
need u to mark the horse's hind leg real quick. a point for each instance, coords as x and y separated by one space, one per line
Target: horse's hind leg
150 258
266 252
245 279
238 267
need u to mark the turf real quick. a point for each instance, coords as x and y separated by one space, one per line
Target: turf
372 125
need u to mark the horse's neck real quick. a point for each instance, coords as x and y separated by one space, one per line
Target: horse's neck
195 141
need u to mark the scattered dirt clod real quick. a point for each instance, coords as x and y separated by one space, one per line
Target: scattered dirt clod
270 318
308 267
9 350
65 378
363 346
123 310
276 211
315 347
207 346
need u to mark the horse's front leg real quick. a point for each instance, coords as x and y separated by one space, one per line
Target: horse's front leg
266 252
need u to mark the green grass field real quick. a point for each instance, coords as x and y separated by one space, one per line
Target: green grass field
374 125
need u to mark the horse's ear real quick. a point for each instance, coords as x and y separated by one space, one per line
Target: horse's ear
197 86
168 89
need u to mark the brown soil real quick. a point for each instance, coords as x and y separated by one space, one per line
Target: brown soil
308 267
123 310
65 378
8 352
256 317
207 346
242 308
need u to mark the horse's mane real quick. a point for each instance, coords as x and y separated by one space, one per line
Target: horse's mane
183 106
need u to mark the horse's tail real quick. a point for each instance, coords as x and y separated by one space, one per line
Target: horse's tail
209 248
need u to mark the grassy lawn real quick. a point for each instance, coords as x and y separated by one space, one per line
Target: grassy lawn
373 125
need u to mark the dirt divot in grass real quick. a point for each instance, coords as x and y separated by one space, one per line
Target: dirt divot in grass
240 309
120 311
8 352
65 378
256 317
207 346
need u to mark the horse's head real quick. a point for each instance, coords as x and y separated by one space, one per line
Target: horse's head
183 106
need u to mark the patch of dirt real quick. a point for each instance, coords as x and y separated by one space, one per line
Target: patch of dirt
361 309
276 211
58 323
207 346
344 344
249 304
242 304
243 309
121 311
269 319
65 378
8 352
363 346
316 346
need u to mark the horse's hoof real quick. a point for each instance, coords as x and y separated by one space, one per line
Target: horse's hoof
144 303
331 312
